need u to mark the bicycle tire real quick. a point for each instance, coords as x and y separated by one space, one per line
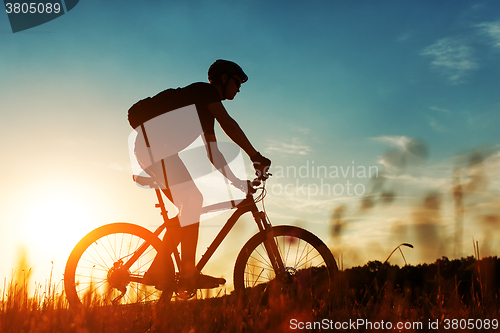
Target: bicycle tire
309 263
91 261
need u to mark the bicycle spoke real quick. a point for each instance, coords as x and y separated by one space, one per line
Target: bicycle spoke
297 256
140 294
289 248
141 267
263 261
85 276
254 280
113 258
121 246
95 261
94 267
264 256
99 255
109 242
305 257
263 268
92 285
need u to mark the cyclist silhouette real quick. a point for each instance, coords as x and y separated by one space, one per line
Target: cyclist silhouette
167 124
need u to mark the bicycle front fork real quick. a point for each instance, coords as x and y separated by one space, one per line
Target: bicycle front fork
270 245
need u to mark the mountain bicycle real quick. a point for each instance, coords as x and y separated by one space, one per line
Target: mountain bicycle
107 266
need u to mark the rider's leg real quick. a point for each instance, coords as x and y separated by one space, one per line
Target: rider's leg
172 236
156 273
189 215
188 237
189 242
191 278
189 200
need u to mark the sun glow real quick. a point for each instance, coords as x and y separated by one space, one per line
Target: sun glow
56 222
51 221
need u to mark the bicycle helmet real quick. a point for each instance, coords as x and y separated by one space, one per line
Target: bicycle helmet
230 68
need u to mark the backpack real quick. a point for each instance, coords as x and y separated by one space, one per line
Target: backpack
152 107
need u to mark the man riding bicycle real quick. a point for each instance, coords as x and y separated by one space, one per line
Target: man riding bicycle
175 118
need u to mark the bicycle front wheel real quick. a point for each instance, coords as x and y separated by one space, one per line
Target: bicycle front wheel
99 271
309 265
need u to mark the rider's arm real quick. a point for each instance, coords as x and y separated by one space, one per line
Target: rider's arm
219 161
231 128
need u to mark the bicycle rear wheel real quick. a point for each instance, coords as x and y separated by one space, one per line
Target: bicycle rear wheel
309 264
96 274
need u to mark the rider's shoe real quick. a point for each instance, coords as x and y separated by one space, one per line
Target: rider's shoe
200 281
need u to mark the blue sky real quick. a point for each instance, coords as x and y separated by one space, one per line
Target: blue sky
340 83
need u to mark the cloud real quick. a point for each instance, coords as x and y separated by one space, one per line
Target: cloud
441 110
292 147
452 57
408 151
401 142
492 30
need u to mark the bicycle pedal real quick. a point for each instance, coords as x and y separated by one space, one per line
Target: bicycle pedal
210 283
202 282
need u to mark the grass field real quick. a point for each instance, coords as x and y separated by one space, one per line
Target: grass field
440 297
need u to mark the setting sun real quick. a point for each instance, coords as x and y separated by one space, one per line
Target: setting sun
56 221
51 220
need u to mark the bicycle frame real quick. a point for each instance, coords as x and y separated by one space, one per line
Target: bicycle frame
247 205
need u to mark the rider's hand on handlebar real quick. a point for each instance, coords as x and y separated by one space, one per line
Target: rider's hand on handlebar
261 165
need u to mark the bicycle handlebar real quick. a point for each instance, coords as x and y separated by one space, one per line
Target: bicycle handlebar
257 181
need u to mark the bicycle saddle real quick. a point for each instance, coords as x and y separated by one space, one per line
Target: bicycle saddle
145 181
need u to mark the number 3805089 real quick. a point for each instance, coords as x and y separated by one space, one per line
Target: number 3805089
32 8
